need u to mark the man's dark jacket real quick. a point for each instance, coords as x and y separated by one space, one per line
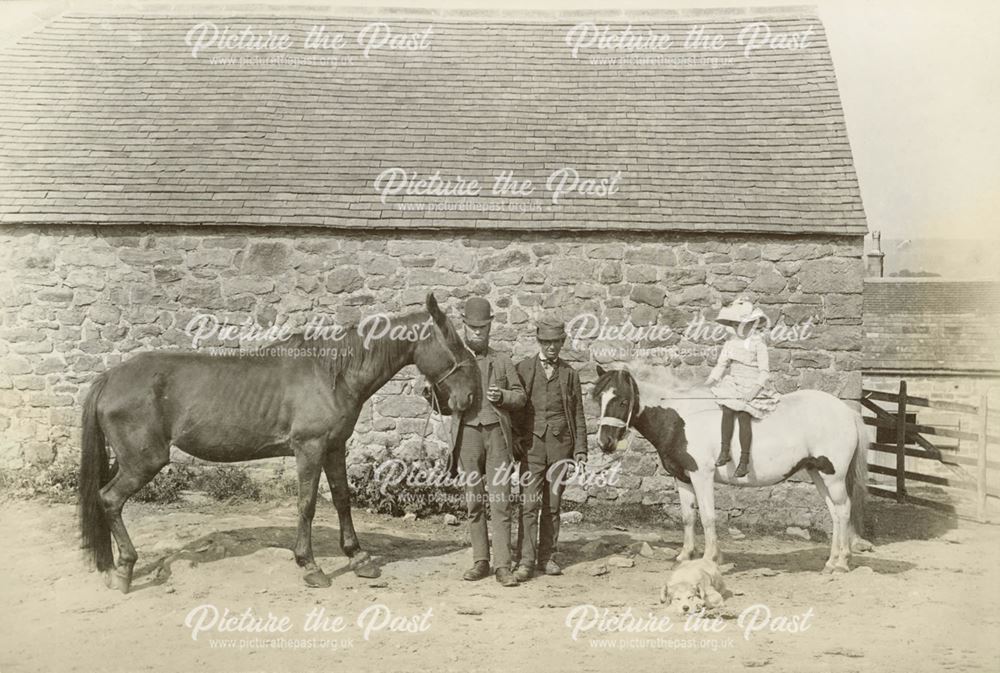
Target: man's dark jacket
530 369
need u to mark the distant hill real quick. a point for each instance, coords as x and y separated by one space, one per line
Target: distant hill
947 258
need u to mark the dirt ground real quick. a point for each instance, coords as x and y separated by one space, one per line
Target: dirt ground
924 600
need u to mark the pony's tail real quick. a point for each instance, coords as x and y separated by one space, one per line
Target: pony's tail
857 484
95 536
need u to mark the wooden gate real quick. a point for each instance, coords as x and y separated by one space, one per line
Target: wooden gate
899 434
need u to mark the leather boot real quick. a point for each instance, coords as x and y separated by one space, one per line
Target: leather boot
523 573
478 571
744 467
506 578
551 568
724 456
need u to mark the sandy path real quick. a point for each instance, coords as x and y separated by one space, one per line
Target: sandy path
914 604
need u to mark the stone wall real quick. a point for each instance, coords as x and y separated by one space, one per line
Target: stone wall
74 302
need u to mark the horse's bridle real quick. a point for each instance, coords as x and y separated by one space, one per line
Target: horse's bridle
456 364
435 407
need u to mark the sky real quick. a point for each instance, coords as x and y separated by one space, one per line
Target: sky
919 81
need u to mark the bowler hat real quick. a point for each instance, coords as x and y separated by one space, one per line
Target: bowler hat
550 329
477 312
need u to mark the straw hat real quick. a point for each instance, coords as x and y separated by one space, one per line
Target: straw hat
740 312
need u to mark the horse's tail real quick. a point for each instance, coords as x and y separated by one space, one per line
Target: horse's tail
857 479
95 535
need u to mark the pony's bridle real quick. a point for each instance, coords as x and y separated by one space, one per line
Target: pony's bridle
617 422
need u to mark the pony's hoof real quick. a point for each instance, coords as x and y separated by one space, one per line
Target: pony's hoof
828 569
859 544
839 569
316 579
683 556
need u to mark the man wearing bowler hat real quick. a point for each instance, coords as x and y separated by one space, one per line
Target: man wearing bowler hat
552 430
483 448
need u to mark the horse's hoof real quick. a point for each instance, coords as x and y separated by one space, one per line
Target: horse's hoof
317 579
114 580
828 569
683 556
363 566
838 569
368 571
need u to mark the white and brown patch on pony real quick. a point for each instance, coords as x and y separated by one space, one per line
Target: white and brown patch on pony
618 396
694 586
647 410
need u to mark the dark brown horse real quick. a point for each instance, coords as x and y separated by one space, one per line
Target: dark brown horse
298 397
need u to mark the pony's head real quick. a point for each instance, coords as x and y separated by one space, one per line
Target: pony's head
449 366
618 396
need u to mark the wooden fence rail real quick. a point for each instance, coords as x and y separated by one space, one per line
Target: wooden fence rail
908 433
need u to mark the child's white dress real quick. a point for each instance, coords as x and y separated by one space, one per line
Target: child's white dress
743 365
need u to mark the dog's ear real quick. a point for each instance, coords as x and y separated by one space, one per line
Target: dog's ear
699 590
664 595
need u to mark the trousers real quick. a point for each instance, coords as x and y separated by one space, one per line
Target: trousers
483 452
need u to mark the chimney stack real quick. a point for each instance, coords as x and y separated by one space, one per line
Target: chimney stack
875 261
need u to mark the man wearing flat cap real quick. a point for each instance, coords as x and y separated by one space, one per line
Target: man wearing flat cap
552 430
483 448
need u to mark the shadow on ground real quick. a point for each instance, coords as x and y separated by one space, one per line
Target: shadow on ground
887 521
245 541
809 560
890 521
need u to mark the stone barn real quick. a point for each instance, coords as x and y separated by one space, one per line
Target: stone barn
149 175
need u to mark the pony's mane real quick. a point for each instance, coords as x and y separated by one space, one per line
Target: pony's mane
610 377
663 379
350 352
659 385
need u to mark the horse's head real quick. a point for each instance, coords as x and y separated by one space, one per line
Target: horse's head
618 396
449 366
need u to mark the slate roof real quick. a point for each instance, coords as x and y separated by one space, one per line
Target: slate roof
108 119
931 325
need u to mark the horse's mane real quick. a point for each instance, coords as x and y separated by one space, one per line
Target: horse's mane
350 353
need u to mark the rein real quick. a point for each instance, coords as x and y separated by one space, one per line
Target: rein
435 407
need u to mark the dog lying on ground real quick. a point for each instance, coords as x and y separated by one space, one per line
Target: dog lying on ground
694 585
